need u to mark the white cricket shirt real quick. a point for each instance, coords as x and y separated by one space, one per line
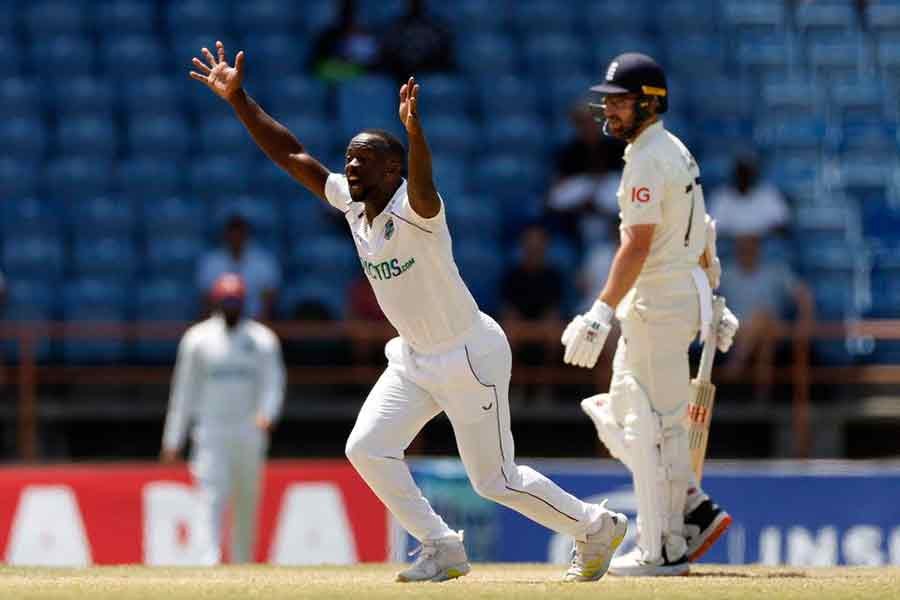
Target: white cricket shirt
408 260
223 379
661 186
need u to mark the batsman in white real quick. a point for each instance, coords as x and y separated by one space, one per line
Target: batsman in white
662 297
229 379
448 357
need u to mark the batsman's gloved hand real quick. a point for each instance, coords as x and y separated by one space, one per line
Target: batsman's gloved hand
728 326
585 335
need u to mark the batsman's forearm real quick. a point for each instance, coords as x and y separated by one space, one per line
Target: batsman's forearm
272 137
625 269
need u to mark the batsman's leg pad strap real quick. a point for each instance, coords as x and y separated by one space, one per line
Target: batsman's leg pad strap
675 478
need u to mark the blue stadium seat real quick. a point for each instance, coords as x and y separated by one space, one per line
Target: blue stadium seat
87 96
198 98
94 300
13 62
538 17
18 177
470 216
792 96
158 136
47 18
224 137
152 95
367 102
173 256
796 176
450 175
761 16
219 176
269 178
104 215
563 91
508 176
173 215
449 135
444 95
72 55
150 178
823 19
685 53
833 293
889 57
793 133
771 56
381 13
24 137
318 136
268 16
508 95
680 18
293 94
470 15
825 251
823 217
78 177
876 135
481 267
126 16
29 300
726 97
550 53
837 59
103 256
86 136
31 215
858 98
516 134
317 15
864 176
308 217
19 97
163 300
194 16
616 15
31 256
324 257
883 18
123 55
715 169
274 55
486 55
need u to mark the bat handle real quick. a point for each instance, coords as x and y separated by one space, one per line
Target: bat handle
709 347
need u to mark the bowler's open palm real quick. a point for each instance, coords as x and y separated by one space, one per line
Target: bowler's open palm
409 104
216 73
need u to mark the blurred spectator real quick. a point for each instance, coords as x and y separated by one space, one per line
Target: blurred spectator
416 44
531 292
759 294
345 50
258 269
583 196
363 306
748 206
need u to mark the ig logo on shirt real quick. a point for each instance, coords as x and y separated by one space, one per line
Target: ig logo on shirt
640 194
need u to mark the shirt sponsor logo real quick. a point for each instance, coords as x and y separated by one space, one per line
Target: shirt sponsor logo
640 194
389 229
387 269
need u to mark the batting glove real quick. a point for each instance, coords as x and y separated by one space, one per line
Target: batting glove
728 326
585 335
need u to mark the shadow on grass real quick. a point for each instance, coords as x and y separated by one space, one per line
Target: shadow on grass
742 575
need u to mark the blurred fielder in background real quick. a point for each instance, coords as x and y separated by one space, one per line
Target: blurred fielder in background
662 298
229 379
449 356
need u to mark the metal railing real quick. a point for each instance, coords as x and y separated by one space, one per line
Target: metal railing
29 372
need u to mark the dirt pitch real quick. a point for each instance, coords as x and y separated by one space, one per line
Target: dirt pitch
375 582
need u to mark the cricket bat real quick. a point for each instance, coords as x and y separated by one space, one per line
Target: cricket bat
700 408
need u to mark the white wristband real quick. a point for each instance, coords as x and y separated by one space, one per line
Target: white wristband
601 312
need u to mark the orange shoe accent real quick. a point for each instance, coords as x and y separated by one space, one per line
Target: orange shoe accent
722 528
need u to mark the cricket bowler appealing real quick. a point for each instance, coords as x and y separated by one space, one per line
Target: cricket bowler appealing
449 357
229 380
662 297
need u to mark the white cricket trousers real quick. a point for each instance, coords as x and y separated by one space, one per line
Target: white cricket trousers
227 465
471 384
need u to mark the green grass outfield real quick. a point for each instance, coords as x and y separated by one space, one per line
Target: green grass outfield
374 582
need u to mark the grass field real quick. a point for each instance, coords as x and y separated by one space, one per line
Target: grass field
374 582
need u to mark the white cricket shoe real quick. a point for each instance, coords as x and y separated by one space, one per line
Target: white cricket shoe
438 560
591 558
635 564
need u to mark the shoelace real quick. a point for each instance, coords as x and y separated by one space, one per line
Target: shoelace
424 550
